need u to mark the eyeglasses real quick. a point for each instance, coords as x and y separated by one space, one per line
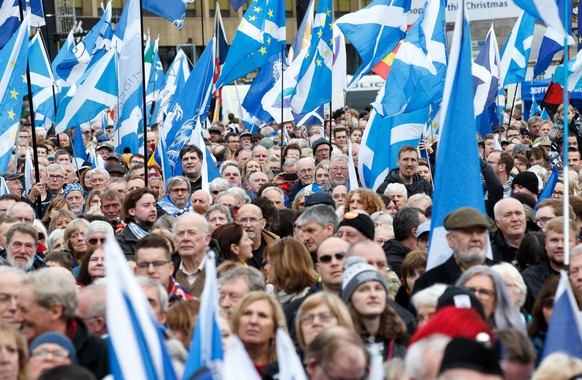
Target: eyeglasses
176 191
94 241
156 264
56 177
326 259
243 221
233 141
486 294
43 353
324 317
543 220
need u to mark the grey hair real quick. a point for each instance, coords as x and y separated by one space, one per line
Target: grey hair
40 131
218 207
301 142
240 195
53 237
540 171
422 351
259 147
275 188
9 269
98 290
203 221
320 214
148 283
218 184
577 250
516 278
50 288
177 180
417 199
98 171
309 160
428 297
338 157
396 188
253 278
382 217
98 226
505 315
53 167
119 180
290 162
227 164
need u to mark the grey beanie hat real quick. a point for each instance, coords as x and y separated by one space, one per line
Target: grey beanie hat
357 272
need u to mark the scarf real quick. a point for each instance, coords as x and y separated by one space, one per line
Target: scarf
168 206
137 230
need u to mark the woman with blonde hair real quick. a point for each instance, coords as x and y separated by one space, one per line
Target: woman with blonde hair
13 353
363 199
60 219
58 203
255 321
289 269
75 239
317 312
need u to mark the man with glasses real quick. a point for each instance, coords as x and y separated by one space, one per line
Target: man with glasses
178 198
250 218
56 179
232 142
305 169
236 283
153 260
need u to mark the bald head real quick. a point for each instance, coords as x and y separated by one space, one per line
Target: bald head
371 252
332 245
250 217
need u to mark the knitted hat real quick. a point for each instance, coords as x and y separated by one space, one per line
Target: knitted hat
468 354
73 187
357 272
529 180
58 339
360 221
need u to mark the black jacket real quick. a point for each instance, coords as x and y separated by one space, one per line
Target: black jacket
447 273
418 185
534 277
395 253
92 351
291 311
500 249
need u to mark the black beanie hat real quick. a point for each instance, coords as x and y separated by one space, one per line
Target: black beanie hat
529 180
468 354
360 221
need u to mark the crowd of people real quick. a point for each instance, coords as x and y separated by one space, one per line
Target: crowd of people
344 272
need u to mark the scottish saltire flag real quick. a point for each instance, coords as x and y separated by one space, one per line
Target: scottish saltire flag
172 10
352 176
548 189
548 11
374 31
564 330
485 71
80 57
314 81
95 159
417 75
535 108
206 345
382 139
44 88
264 82
314 117
189 107
515 53
10 17
28 168
155 82
260 34
251 123
237 363
456 186
302 39
67 49
290 367
137 348
129 118
95 91
553 40
161 157
574 73
12 88
174 81
487 120
79 150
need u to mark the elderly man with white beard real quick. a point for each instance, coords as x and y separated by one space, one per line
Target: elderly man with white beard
467 236
21 243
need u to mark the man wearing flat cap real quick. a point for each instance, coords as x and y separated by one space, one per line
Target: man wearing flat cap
467 236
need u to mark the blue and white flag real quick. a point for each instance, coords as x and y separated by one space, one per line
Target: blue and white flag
546 10
12 88
374 31
290 367
553 40
95 91
456 186
314 117
574 73
485 72
206 344
515 54
252 123
79 149
95 159
314 81
237 363
67 49
264 82
535 107
544 115
417 75
382 139
172 10
302 39
128 132
548 189
352 176
174 81
260 34
188 108
161 157
564 330
137 347
44 89
10 17
3 187
80 57
155 82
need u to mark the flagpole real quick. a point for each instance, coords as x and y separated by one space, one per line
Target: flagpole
282 129
143 91
202 21
32 128
565 145
512 105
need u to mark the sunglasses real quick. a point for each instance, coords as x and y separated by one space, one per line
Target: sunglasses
94 241
326 259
